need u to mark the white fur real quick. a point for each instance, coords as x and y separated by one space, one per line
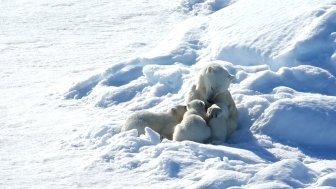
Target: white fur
223 117
193 126
163 123
212 88
213 79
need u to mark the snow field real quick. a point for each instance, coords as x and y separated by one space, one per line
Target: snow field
282 53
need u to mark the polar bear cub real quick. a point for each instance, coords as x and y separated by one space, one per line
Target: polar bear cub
162 123
212 87
193 126
223 117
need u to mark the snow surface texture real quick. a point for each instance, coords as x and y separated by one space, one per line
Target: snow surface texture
283 54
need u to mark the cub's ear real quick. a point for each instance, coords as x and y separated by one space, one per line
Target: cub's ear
188 106
232 77
184 107
178 109
209 69
202 103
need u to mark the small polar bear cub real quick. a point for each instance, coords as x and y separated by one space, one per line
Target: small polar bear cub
222 117
162 123
193 126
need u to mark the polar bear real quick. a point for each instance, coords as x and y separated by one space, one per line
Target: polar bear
162 123
212 88
213 79
193 126
223 117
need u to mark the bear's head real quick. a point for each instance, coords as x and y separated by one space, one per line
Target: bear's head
178 111
216 80
197 107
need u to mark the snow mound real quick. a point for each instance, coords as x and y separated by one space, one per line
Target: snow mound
151 135
302 121
290 173
302 78
327 180
304 36
124 83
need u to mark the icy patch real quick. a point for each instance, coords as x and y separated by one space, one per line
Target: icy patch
307 121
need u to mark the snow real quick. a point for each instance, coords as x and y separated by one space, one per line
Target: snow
291 172
299 120
295 78
72 71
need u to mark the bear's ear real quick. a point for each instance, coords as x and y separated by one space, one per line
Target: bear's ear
178 109
188 106
174 111
231 77
209 69
202 103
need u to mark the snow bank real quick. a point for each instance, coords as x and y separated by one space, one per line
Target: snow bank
296 33
302 78
290 173
307 121
327 180
194 165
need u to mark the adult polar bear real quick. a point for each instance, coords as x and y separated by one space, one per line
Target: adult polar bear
212 87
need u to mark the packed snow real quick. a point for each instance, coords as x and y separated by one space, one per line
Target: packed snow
73 71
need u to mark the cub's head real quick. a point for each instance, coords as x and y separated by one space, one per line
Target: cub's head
178 111
196 105
216 80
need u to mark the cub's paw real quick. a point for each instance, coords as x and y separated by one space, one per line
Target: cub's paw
214 111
